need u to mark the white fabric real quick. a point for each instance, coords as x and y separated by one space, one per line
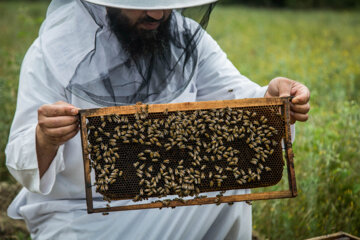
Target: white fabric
149 5
54 207
55 4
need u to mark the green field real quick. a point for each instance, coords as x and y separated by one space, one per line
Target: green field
319 48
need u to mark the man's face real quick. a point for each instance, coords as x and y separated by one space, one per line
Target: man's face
146 20
141 32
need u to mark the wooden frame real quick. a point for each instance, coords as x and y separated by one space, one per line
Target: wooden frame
284 103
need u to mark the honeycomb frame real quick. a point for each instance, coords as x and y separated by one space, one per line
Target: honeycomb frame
127 177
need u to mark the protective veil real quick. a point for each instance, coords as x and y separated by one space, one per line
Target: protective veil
120 79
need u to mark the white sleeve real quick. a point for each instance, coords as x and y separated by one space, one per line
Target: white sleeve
36 87
218 79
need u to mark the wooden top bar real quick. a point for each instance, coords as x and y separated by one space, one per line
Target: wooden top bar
153 108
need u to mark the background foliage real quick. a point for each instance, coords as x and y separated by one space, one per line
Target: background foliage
275 3
318 48
322 50
297 3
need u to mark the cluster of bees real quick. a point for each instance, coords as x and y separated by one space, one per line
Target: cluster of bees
180 153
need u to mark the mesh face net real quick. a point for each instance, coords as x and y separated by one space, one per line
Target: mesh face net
128 66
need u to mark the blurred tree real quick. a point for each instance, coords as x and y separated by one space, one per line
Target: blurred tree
297 3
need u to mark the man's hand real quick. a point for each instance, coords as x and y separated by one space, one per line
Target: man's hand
284 87
57 123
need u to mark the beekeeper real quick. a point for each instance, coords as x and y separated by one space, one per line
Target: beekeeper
99 53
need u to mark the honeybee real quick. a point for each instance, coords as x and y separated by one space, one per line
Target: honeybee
258 177
254 161
142 166
261 166
147 174
139 172
211 183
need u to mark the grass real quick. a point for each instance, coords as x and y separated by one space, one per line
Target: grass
19 25
319 48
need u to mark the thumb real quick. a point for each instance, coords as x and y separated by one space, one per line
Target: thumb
284 88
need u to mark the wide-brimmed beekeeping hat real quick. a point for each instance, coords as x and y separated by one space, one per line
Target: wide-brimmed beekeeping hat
149 5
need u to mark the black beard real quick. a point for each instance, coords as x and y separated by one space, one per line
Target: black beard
139 42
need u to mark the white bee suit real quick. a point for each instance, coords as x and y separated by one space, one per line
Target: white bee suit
54 206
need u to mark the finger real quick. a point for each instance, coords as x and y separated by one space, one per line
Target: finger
62 103
60 132
65 104
68 136
301 94
52 110
298 117
56 122
305 108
